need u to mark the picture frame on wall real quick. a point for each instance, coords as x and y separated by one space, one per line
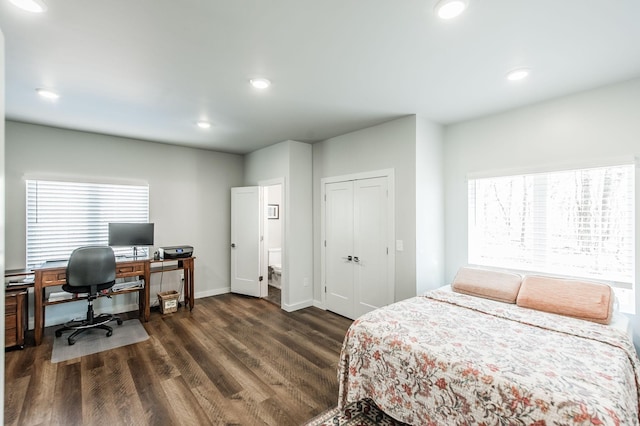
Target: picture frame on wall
273 211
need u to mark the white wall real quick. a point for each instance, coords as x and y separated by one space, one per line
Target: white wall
292 161
391 145
188 194
586 127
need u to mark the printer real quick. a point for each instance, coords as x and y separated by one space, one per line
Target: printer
175 252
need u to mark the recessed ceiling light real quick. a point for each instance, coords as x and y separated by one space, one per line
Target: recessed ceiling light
260 83
46 93
448 9
518 74
35 6
203 124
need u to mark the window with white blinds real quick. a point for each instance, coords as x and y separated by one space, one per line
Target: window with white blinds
577 223
62 216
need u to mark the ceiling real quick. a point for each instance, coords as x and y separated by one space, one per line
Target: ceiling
149 69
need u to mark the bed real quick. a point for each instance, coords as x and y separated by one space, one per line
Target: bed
447 358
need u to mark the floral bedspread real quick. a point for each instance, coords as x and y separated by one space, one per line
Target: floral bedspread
451 359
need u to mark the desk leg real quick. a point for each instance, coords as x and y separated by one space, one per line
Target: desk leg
145 300
144 312
187 271
38 313
189 275
185 274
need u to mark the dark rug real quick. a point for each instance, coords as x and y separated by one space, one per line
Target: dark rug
360 413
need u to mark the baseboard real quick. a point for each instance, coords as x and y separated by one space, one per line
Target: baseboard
117 309
214 292
319 304
296 306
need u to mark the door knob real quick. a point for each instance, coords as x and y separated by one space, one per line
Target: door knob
233 245
349 258
355 259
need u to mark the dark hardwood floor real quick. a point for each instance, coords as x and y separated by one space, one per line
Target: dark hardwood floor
233 360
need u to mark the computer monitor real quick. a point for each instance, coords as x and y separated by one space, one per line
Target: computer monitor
130 235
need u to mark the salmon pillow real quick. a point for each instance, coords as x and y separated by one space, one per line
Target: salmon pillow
579 299
500 286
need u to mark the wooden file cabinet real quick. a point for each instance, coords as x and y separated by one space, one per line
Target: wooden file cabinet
15 318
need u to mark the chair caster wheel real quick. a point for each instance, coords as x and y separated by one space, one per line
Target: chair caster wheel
109 333
71 342
119 321
58 333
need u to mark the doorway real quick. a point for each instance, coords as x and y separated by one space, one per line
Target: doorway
273 241
258 246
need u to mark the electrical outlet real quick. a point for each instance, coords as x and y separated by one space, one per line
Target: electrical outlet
306 282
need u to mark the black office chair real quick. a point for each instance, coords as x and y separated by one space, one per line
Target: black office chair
90 270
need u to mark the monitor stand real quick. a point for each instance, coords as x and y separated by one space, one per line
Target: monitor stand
134 254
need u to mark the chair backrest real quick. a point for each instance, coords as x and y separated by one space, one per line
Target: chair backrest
92 265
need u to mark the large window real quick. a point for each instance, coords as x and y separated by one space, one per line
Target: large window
576 223
62 216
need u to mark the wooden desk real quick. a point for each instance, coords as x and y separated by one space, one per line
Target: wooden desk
55 274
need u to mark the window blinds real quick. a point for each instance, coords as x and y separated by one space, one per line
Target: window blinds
577 222
62 216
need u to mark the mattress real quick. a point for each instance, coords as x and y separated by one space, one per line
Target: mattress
452 359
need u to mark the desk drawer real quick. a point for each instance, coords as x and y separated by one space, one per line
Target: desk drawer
10 337
10 322
10 306
130 270
54 278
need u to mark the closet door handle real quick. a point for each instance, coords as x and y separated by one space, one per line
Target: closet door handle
355 259
233 245
349 258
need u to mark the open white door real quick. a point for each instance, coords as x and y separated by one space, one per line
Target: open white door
245 240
